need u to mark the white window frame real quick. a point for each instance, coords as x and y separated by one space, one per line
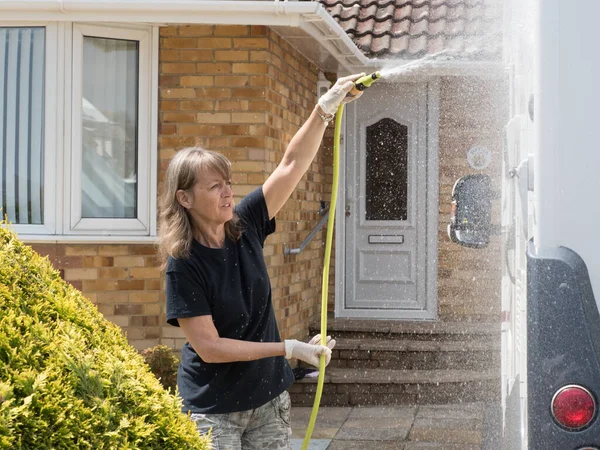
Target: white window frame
51 124
62 183
102 226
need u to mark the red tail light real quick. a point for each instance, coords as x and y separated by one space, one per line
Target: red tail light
573 407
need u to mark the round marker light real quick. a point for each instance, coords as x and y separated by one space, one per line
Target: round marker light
573 407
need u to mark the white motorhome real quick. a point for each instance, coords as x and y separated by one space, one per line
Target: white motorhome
549 226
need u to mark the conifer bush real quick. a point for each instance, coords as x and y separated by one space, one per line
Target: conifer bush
164 364
68 377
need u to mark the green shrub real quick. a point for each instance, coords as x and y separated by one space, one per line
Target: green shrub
163 364
68 378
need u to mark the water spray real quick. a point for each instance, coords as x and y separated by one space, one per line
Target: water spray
359 85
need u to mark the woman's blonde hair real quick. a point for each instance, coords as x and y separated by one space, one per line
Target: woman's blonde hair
175 226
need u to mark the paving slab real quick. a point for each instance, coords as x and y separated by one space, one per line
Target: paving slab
369 434
402 411
315 444
406 427
437 446
365 445
448 424
464 411
379 423
318 433
328 417
445 436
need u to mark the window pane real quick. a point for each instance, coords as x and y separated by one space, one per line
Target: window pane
22 61
109 134
386 171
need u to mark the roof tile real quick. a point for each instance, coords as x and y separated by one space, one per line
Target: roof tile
380 43
437 28
419 28
364 42
438 13
385 12
369 11
435 45
400 28
365 27
383 27
412 28
403 11
398 45
418 45
351 25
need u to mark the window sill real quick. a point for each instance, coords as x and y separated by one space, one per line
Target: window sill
56 239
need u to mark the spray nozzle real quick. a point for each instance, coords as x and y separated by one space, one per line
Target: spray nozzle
364 82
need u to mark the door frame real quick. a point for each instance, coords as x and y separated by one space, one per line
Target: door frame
432 91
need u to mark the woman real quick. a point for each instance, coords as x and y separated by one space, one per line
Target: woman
233 375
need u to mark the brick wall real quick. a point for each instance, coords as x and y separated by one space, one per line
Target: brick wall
124 281
472 112
243 91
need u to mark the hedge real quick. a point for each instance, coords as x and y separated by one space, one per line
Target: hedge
68 377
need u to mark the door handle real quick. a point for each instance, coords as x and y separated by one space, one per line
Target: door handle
348 213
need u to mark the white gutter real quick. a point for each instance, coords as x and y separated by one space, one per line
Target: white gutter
160 11
324 29
310 17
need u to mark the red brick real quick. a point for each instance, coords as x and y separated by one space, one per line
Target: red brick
179 67
248 68
228 55
176 42
213 68
214 43
250 43
232 30
196 30
197 105
196 55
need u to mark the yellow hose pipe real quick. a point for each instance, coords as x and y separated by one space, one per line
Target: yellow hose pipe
360 85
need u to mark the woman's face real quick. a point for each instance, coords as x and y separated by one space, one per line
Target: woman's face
212 203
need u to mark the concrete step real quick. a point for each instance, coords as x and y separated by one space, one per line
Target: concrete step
407 354
360 387
414 330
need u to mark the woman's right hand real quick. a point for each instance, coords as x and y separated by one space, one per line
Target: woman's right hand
308 353
338 94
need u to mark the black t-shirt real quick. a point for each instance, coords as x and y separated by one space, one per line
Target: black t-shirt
232 285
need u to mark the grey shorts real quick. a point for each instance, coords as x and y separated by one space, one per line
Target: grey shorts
263 428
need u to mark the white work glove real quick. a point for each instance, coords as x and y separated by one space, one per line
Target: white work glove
309 353
317 340
338 94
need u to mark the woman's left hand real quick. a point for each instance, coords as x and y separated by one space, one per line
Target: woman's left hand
316 340
338 94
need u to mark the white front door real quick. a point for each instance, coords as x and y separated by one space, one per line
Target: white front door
390 225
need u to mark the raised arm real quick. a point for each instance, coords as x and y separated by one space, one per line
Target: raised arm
304 146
